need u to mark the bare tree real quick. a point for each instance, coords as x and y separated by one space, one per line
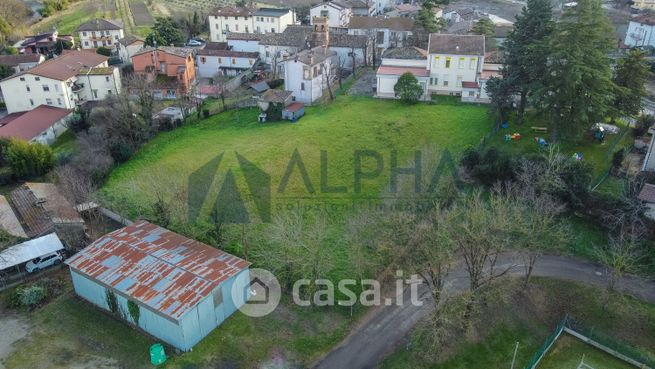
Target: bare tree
329 73
620 255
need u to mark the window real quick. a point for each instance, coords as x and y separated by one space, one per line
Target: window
106 78
31 102
86 43
302 86
83 33
461 63
247 29
220 60
447 63
218 297
27 88
95 93
48 101
459 81
236 27
57 88
236 18
109 92
203 60
472 63
249 61
272 30
471 93
58 101
37 78
234 61
445 83
22 79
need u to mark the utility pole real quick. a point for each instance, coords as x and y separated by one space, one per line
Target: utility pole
516 349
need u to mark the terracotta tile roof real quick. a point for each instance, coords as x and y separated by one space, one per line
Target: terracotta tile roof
647 193
130 39
394 23
244 36
163 270
408 52
65 66
296 36
177 51
98 71
470 85
233 11
215 46
346 40
271 12
294 107
398 71
313 56
14 60
30 124
100 25
40 206
276 96
644 19
228 53
456 44
8 220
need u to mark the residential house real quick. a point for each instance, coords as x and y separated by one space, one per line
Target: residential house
338 13
647 196
225 62
395 63
9 221
43 43
381 7
21 62
172 69
643 4
275 47
452 60
361 8
42 124
640 31
310 72
230 19
272 20
128 46
43 209
384 32
405 11
67 81
100 33
351 50
182 289
239 41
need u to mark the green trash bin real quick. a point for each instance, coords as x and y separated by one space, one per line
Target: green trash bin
157 354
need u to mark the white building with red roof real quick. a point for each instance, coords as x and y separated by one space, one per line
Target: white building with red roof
182 288
65 82
42 124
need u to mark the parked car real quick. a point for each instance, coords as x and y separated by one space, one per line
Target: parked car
194 43
43 262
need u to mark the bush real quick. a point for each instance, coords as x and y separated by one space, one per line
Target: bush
103 51
470 158
6 176
275 83
491 166
617 159
32 296
121 152
12 299
205 113
29 159
408 89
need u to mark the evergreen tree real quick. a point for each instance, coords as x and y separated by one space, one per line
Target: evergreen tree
526 50
501 94
578 88
408 89
630 75
165 32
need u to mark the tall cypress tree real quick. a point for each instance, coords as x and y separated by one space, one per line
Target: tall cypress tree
526 50
578 88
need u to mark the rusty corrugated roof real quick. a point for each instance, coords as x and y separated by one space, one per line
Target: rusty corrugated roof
161 269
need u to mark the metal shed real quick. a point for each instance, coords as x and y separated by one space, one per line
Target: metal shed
183 288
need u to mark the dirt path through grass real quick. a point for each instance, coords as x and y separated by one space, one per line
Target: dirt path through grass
13 329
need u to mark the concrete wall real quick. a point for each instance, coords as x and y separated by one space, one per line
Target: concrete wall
386 84
346 60
96 39
48 136
209 66
305 90
26 92
251 46
264 24
219 26
639 34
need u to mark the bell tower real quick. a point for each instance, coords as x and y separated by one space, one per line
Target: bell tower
321 32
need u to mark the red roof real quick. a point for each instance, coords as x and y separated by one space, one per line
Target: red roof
295 107
30 124
470 85
397 71
161 269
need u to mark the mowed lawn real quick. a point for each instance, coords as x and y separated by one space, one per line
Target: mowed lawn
569 351
340 128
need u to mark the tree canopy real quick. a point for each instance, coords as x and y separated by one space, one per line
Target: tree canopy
408 88
630 76
165 32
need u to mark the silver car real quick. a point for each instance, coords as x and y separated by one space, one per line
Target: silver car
43 262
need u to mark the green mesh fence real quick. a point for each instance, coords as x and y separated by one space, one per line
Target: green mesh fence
546 346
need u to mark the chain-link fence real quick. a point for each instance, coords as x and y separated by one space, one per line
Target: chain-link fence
547 345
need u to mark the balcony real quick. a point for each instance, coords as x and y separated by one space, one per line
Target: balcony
77 87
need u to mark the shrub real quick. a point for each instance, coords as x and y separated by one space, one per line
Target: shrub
6 176
408 89
470 158
29 159
493 166
617 159
121 152
103 51
12 299
276 83
205 113
134 310
32 296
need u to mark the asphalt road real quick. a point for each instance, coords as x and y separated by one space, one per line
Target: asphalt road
385 328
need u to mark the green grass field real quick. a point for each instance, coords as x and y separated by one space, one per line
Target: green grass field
340 128
568 352
77 13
